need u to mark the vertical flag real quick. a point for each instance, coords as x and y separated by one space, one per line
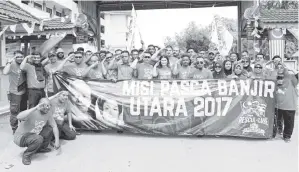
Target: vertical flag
220 36
276 43
133 31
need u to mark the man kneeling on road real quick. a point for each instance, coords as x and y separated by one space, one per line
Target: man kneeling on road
36 130
60 107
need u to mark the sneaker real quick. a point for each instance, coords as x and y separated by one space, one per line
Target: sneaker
287 140
26 160
120 132
44 150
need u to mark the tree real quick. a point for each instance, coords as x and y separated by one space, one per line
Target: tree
198 37
271 4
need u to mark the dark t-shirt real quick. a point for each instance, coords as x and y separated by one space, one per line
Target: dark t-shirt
144 71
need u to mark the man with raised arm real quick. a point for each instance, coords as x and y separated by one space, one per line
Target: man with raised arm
36 130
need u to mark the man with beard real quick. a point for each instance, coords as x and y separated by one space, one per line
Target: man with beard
118 52
102 55
60 107
176 52
52 68
202 53
17 88
124 70
151 49
36 130
200 72
144 70
35 78
60 54
211 61
95 70
76 68
183 67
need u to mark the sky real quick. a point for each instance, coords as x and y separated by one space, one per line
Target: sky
156 25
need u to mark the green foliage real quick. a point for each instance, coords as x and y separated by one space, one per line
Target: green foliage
198 37
271 4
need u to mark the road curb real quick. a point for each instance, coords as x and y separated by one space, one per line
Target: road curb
4 110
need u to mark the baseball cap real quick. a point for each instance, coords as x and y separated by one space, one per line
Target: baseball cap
59 50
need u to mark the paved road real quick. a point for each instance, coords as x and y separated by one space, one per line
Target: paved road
111 152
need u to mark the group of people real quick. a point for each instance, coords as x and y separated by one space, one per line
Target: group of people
48 118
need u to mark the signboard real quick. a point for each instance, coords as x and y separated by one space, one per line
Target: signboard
242 108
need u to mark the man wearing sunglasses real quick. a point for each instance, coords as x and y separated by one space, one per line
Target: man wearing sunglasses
200 72
258 71
36 78
144 69
36 130
17 88
76 68
123 68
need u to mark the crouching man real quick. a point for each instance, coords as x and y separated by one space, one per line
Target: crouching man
36 130
61 108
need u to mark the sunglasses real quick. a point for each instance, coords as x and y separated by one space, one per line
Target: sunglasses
147 57
258 67
217 66
19 57
78 57
201 62
245 61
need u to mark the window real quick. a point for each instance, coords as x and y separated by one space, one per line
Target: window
58 14
38 6
49 10
102 15
25 2
102 29
102 42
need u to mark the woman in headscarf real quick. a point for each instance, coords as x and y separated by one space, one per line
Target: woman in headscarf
246 64
227 67
218 70
238 72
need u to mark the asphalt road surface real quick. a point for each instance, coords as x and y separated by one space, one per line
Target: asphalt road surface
112 152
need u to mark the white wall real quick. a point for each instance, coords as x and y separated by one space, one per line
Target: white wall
115 30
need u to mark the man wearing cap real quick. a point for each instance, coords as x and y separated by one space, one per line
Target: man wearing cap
17 88
51 68
60 54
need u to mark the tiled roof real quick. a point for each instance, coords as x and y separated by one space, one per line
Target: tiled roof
13 11
279 16
56 23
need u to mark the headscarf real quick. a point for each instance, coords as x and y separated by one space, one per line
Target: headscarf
248 68
227 72
218 75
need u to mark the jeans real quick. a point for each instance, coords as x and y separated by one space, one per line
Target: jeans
65 132
18 103
34 95
35 142
286 118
